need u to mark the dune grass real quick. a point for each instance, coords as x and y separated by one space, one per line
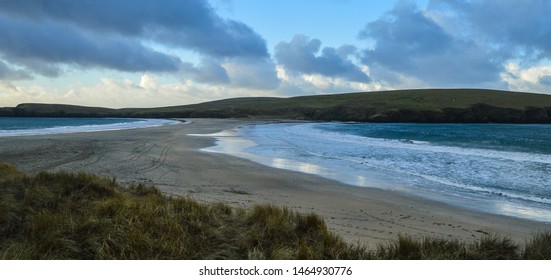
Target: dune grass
487 248
82 216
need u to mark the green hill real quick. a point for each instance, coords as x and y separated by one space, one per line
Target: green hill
60 110
422 105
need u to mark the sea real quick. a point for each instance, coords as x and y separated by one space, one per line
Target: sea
501 169
41 126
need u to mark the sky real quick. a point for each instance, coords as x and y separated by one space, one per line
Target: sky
150 53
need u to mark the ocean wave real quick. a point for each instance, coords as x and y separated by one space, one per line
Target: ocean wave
311 132
62 129
456 173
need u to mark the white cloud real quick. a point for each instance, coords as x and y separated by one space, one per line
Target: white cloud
148 82
146 91
530 79
13 94
293 84
281 73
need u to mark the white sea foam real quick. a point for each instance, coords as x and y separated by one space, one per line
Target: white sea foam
308 130
141 123
496 179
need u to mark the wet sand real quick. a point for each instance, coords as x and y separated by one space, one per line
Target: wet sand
173 161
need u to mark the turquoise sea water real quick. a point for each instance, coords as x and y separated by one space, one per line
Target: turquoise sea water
39 126
503 169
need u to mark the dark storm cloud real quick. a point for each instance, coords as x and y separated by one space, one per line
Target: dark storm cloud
408 41
301 55
521 26
41 36
190 24
27 42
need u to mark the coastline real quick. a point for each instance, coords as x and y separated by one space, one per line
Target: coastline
271 150
171 159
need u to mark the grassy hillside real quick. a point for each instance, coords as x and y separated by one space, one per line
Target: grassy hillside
82 216
60 110
436 105
423 105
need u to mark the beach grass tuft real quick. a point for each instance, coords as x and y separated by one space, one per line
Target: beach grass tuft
82 216
486 248
408 248
538 248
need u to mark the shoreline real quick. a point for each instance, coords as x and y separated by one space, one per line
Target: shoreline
137 123
233 142
172 160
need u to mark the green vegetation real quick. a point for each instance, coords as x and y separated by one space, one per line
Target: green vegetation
82 216
60 111
422 105
487 248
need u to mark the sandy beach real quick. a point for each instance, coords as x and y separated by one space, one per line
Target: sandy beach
171 159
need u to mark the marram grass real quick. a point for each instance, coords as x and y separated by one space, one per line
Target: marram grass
82 216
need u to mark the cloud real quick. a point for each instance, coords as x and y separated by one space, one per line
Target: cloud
408 41
238 72
33 43
518 27
300 56
531 78
190 24
8 73
149 82
313 84
36 66
252 73
149 90
45 37
210 71
13 94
